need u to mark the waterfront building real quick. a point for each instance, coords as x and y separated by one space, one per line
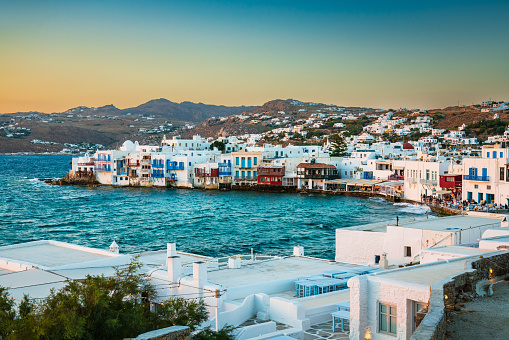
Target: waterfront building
82 166
313 175
487 178
245 166
403 241
271 174
178 144
422 178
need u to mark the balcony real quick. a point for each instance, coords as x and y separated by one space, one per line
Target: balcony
133 164
171 177
429 181
476 178
158 175
83 173
102 168
86 164
240 178
203 173
103 159
396 178
412 179
158 165
145 161
175 166
225 173
122 172
318 176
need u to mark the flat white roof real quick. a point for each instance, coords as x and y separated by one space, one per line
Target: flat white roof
449 223
273 270
452 223
426 274
50 254
34 282
457 250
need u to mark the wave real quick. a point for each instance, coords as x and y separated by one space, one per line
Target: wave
413 208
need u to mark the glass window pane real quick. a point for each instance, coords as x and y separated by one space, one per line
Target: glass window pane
383 322
393 310
383 308
393 325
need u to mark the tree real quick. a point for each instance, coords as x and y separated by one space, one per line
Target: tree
99 307
219 145
338 146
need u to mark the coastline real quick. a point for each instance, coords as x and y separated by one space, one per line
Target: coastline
442 211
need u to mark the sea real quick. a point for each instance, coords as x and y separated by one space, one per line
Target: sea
207 222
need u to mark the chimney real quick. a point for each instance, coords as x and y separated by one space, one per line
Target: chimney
171 249
298 251
174 268
200 273
234 263
114 247
383 264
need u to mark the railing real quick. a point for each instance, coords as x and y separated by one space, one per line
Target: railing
318 176
171 177
122 172
476 178
412 179
240 178
83 173
133 164
102 168
396 178
103 159
157 165
224 173
145 161
224 164
429 181
157 174
86 164
173 166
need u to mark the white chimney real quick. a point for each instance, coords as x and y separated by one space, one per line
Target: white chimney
171 249
383 264
174 268
114 247
234 263
298 251
200 273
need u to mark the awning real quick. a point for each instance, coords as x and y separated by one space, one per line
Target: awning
442 192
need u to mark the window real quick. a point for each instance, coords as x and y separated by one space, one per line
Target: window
387 318
236 160
255 160
476 186
408 251
502 174
377 259
488 187
416 307
501 154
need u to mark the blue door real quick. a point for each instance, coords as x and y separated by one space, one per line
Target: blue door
469 196
484 174
479 197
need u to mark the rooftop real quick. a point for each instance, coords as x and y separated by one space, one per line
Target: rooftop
48 254
273 270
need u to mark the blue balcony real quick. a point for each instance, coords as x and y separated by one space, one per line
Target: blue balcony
158 174
157 164
121 172
171 177
175 166
225 172
103 158
476 178
102 168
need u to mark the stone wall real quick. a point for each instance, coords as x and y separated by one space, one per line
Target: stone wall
446 295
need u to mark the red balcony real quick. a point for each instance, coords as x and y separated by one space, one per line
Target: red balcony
451 181
83 173
278 171
86 164
202 172
270 180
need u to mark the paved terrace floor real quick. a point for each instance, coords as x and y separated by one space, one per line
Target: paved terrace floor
484 318
316 332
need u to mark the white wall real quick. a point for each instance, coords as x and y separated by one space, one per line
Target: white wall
357 246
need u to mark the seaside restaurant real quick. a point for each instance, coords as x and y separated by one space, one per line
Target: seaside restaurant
352 184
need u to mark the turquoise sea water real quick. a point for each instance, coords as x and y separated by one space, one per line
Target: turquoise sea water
205 222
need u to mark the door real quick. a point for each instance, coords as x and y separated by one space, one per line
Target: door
480 197
484 174
469 196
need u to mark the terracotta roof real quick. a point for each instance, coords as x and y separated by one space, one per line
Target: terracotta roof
316 166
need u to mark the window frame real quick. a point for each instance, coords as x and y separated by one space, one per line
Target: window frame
390 317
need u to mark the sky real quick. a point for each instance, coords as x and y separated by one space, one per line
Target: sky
56 55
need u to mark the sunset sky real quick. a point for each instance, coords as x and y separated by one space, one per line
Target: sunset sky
55 55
